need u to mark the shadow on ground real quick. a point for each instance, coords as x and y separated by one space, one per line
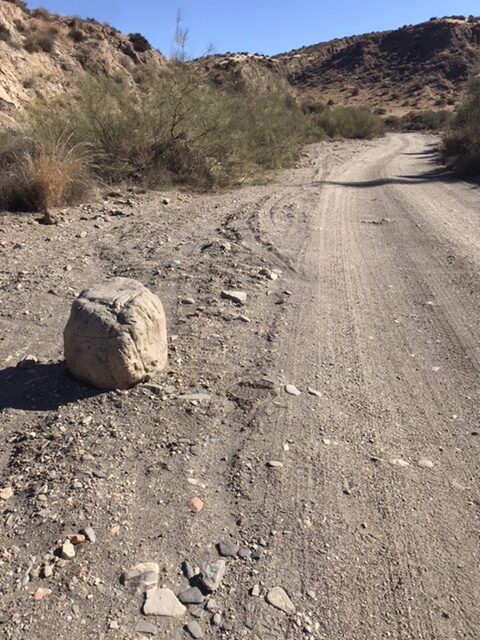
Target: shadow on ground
40 387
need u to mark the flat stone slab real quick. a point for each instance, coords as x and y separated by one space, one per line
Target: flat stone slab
163 602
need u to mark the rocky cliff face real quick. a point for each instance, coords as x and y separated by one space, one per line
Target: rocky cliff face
42 54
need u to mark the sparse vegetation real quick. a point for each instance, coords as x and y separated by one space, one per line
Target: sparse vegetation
140 43
171 129
419 121
42 37
5 34
345 122
461 143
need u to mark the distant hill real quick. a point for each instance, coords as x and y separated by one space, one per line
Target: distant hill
416 67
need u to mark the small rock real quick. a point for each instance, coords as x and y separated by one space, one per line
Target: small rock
146 627
41 593
142 576
213 574
194 629
47 571
77 538
196 397
196 504
114 626
166 201
89 534
279 599
187 301
245 553
275 464
238 297
217 619
425 464
188 570
67 551
292 390
398 462
255 590
227 548
6 493
212 605
191 596
163 602
314 392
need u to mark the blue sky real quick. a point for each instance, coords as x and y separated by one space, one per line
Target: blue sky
268 26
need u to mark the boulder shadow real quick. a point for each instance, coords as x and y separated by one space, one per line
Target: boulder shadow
41 387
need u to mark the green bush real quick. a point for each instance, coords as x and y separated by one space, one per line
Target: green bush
419 121
461 142
171 128
349 122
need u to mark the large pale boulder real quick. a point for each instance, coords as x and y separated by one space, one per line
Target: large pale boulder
116 335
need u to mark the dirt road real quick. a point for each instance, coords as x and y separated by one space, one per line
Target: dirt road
371 522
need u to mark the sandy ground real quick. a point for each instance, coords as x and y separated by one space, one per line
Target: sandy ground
371 523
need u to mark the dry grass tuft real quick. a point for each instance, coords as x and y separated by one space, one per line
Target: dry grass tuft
45 176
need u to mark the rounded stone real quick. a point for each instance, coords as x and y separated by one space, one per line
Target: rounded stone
116 335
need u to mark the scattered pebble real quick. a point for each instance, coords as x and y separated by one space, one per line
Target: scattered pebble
245 553
6 493
146 627
89 534
275 464
279 599
196 504
41 593
292 390
142 576
425 464
194 629
77 538
314 392
255 590
217 619
227 548
67 550
211 577
191 596
398 462
239 297
163 602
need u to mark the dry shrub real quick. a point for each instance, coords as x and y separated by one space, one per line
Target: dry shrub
461 142
5 34
42 37
42 176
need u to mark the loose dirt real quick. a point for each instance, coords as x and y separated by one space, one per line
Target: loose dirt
356 499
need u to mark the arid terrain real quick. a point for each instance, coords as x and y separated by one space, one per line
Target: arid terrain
355 490
416 67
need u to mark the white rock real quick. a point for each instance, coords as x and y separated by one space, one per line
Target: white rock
425 464
398 462
142 576
292 390
116 335
163 602
279 599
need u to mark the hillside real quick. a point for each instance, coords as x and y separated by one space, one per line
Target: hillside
415 67
42 53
